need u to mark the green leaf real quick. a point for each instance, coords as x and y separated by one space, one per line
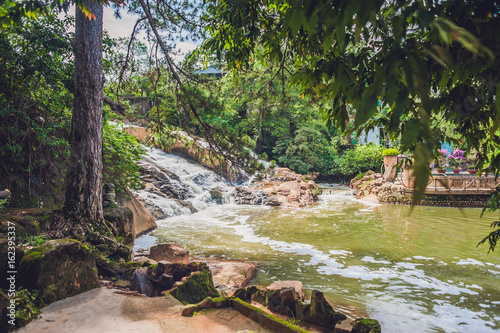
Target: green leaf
496 122
421 171
412 130
367 106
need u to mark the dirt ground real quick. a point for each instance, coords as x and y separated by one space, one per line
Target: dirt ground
105 310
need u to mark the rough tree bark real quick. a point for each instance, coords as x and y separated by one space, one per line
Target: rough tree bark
83 202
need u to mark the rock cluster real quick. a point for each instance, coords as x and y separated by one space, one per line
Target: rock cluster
285 301
227 275
279 187
374 186
189 283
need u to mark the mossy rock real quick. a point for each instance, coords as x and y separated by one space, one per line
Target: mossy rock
216 196
363 325
59 268
319 311
261 296
197 286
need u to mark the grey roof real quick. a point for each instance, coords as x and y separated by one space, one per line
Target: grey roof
209 70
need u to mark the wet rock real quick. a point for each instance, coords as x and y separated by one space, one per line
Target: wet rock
141 283
216 195
163 181
189 205
362 325
297 285
318 311
173 253
59 269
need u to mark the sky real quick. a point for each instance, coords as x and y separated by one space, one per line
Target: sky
123 28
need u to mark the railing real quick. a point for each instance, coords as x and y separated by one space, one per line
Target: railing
457 183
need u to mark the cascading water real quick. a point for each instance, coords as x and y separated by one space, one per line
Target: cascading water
180 187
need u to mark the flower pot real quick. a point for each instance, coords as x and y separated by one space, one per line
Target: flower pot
390 171
456 170
441 170
472 172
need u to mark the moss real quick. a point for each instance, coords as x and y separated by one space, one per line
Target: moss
196 287
28 304
364 325
265 319
60 268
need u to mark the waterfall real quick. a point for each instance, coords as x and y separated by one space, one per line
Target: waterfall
176 186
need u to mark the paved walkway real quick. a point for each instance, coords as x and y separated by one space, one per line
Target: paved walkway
105 310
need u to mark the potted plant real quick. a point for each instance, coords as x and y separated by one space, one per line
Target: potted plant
470 163
441 161
456 160
390 161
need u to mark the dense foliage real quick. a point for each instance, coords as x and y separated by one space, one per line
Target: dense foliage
121 151
360 159
35 98
36 93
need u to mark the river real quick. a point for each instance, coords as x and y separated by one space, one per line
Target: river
414 272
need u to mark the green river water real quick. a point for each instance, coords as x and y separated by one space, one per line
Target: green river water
418 272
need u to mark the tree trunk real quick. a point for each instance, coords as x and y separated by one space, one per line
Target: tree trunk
83 202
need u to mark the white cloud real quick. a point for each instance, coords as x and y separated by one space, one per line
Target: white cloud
182 48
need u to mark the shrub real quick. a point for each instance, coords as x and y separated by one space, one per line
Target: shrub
121 151
360 159
390 152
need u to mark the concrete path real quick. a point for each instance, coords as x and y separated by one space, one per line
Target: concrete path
105 310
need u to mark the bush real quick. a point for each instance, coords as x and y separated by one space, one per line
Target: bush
358 160
121 151
390 152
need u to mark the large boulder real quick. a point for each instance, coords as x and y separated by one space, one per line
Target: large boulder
59 268
172 253
318 311
229 275
143 221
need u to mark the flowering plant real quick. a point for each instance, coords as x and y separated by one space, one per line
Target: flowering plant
457 158
470 160
441 158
